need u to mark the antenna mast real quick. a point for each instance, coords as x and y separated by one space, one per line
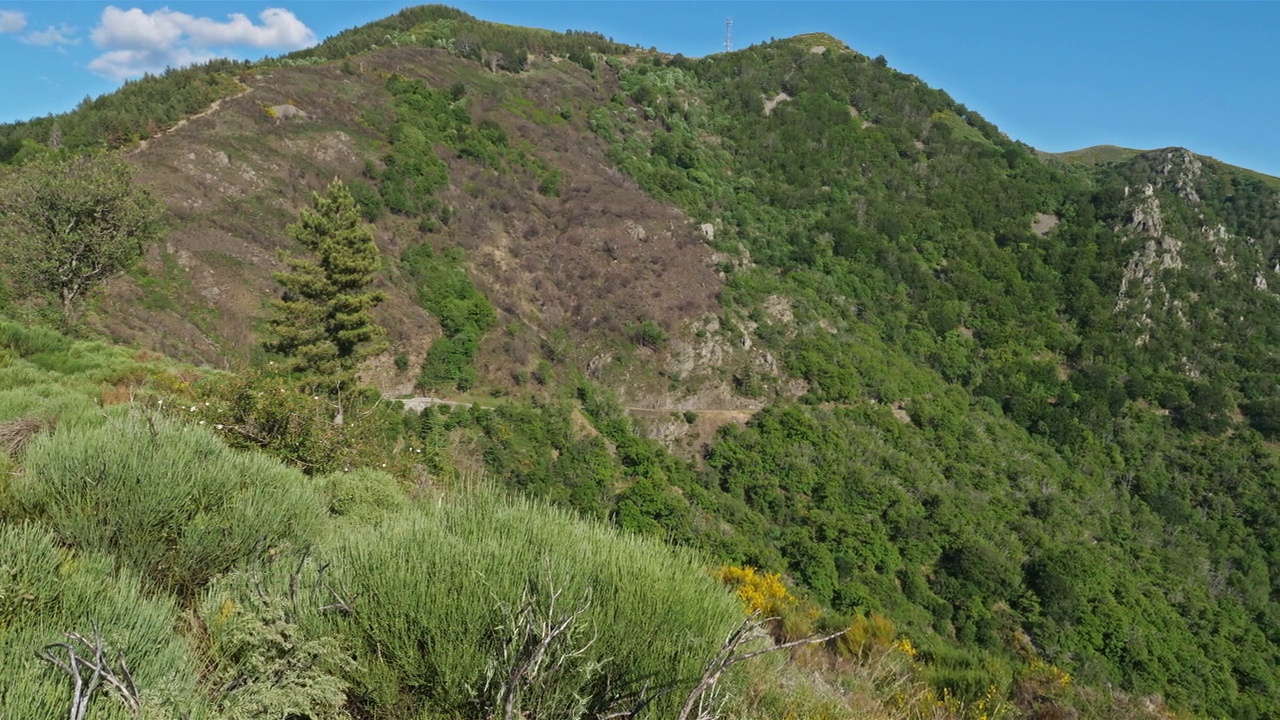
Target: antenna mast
728 34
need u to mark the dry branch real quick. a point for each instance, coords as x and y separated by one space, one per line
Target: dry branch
88 673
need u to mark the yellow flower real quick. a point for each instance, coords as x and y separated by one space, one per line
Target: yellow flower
760 593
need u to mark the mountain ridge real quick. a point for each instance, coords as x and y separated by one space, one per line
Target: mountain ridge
1099 154
1026 408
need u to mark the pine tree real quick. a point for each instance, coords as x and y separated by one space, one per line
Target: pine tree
323 322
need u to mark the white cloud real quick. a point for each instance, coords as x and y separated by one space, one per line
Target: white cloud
136 30
138 42
279 29
60 35
12 21
125 64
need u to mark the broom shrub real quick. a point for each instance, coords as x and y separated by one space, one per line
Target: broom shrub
172 502
47 591
432 591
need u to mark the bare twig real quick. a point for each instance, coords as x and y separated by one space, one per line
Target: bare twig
542 647
98 668
340 602
727 656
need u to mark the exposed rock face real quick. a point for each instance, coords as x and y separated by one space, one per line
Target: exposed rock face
1042 223
1178 170
1217 238
1162 217
769 105
1145 218
1140 286
288 112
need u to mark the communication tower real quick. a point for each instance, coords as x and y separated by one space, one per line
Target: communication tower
728 34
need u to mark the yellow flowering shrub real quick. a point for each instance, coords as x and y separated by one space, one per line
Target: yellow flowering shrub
761 593
872 635
991 706
1048 677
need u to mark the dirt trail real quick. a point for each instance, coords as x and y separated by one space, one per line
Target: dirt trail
418 404
214 107
727 415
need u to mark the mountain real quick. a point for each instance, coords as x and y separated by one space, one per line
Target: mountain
784 305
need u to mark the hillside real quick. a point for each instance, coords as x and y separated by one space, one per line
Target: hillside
1104 154
786 307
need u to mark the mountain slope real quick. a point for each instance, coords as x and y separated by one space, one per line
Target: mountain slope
595 258
1027 409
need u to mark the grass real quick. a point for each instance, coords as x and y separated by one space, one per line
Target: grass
160 291
46 591
1098 154
170 501
960 130
1104 154
435 584
523 108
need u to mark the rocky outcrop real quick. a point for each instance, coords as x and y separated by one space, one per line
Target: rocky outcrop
1140 286
1176 231
1178 170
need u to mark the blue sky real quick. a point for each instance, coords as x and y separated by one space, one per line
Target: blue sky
1056 75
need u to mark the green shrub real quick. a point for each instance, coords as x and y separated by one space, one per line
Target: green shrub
170 501
261 661
445 289
648 334
367 199
35 397
431 588
46 592
363 496
30 340
285 418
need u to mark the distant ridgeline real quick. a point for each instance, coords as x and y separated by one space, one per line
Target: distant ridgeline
152 104
1014 417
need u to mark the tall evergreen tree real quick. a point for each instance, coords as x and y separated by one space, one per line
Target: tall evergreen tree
323 320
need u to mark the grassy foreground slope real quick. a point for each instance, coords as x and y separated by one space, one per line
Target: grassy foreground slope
231 585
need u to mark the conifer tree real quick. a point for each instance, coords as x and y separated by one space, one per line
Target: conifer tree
323 322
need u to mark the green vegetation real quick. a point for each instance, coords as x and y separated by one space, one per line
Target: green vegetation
430 120
203 509
1023 449
138 110
898 223
498 47
324 596
66 226
48 592
464 313
446 576
323 323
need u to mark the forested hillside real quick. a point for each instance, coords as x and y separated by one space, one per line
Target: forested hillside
1008 420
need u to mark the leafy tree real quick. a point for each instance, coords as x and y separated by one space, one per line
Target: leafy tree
68 225
323 321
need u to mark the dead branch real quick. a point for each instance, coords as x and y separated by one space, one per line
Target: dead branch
541 647
17 433
88 673
727 656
